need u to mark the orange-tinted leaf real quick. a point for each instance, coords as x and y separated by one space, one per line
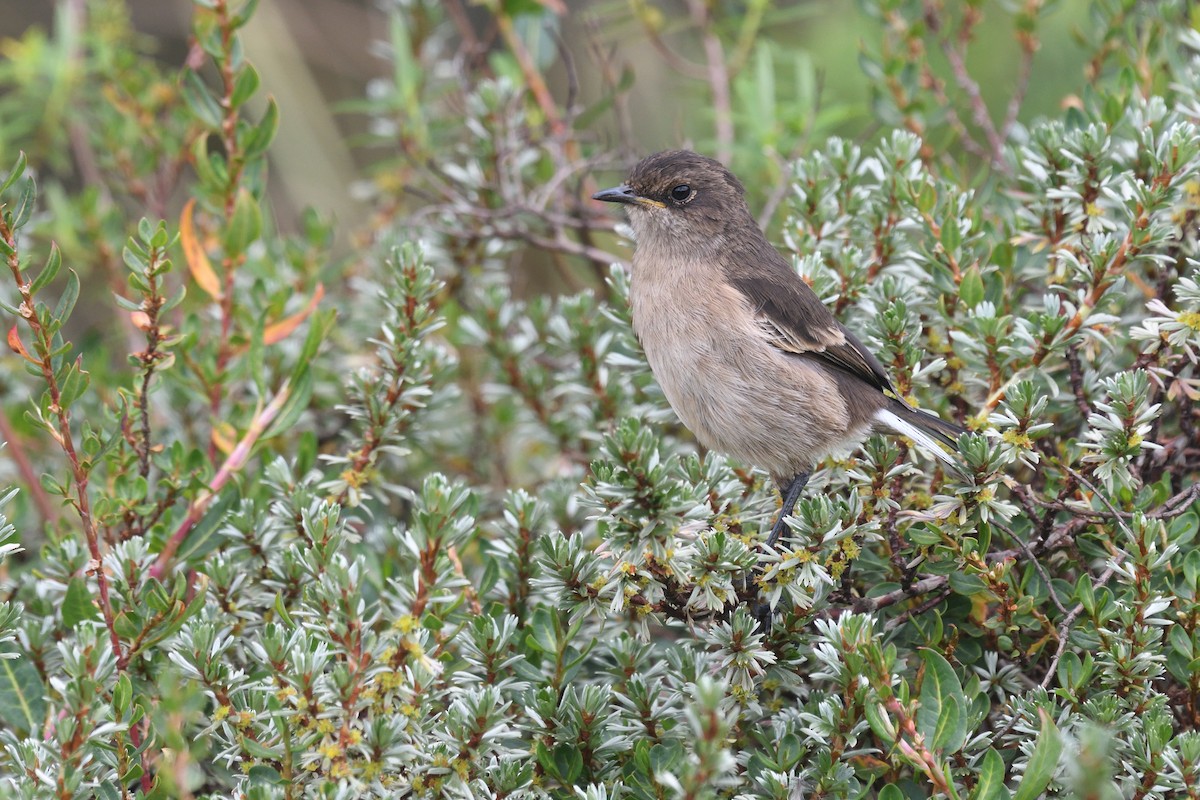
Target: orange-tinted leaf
193 253
18 347
279 331
140 319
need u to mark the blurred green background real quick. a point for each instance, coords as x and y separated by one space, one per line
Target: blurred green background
315 56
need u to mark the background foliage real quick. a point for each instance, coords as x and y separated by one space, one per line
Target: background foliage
356 509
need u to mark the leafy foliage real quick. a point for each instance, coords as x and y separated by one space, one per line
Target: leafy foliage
290 524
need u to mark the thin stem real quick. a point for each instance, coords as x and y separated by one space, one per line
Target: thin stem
235 164
962 76
718 78
44 347
29 476
237 459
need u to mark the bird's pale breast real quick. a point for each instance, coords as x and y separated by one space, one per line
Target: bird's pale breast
736 392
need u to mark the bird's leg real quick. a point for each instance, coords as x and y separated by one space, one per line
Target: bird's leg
790 493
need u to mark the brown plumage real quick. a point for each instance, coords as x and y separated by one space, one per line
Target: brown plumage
748 356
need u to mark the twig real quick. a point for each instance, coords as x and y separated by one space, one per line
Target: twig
688 69
75 21
1172 507
469 591
60 429
938 87
917 749
603 57
29 475
1064 631
782 187
924 586
236 460
1025 71
149 357
471 43
926 605
234 164
979 111
533 78
1076 366
1097 493
1037 565
1125 252
718 78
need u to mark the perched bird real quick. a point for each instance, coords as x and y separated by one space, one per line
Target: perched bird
746 353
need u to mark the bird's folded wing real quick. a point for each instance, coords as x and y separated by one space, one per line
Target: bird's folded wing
796 321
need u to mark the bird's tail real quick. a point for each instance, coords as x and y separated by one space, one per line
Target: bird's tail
933 434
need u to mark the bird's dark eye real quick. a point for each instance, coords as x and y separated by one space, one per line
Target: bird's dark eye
681 192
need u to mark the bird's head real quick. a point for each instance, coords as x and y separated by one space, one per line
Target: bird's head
683 195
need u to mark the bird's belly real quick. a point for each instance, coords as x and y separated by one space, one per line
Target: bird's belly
742 397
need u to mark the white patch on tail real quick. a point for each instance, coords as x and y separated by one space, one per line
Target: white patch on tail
920 437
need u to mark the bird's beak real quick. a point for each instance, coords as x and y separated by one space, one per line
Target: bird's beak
625 194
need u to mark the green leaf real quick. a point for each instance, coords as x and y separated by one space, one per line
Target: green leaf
542 638
210 168
25 204
53 262
891 792
1084 593
300 391
259 750
282 610
261 136
990 783
75 383
200 100
260 774
70 295
122 694
145 230
941 717
544 757
15 173
1043 762
244 86
666 757
77 604
951 235
877 718
202 538
1191 568
244 14
568 762
126 303
175 299
970 291
245 225
135 261
491 576
318 329
966 585
22 695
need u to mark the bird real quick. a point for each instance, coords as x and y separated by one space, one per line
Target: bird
747 355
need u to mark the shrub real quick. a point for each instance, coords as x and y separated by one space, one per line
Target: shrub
311 524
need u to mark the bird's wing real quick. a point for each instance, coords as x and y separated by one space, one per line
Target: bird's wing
796 321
